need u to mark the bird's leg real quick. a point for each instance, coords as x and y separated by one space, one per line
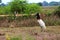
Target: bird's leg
43 30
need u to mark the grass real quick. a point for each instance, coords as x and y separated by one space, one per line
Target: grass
23 37
29 37
27 33
49 9
16 38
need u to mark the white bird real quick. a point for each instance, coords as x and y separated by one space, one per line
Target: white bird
41 22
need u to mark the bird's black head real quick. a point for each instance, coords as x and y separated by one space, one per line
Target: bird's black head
38 16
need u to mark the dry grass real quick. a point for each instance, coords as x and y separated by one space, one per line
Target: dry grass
33 33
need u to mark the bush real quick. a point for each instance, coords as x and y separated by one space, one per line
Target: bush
19 6
33 8
57 12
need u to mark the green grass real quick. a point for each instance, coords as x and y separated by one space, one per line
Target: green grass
16 38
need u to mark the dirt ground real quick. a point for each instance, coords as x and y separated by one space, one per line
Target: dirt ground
52 33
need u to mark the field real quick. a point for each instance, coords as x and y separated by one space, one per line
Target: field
49 9
27 28
30 33
18 21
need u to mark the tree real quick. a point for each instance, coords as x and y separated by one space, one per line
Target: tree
40 4
18 6
45 3
59 3
53 3
32 8
0 1
2 4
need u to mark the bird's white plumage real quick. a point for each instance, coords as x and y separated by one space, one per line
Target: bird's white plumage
41 23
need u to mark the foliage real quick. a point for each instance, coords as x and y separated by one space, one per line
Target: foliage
45 3
40 4
57 12
24 7
5 9
53 3
21 7
32 8
18 6
0 1
16 38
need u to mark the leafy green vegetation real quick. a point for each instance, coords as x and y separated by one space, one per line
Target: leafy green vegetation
18 6
16 38
57 12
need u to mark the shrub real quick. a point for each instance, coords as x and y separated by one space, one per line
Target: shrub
57 12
